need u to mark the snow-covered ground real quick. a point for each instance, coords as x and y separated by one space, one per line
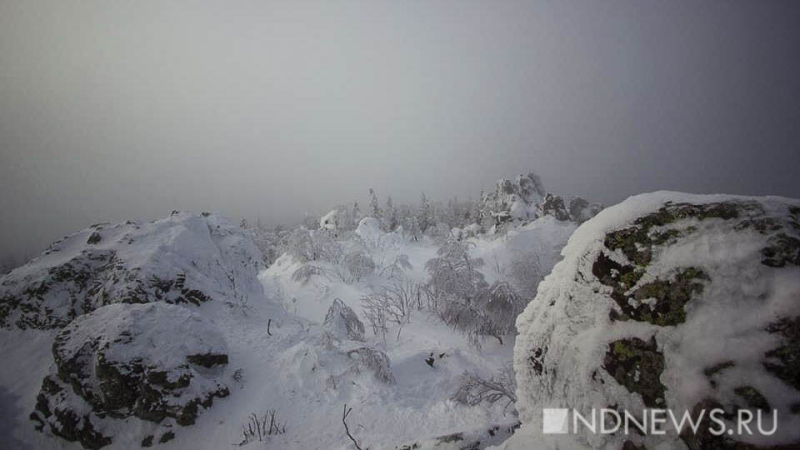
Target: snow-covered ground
280 356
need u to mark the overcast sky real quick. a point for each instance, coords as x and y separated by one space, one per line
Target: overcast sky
112 110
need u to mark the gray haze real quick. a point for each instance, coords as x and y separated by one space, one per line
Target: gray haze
112 110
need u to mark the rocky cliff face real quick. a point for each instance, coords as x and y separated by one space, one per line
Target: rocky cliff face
182 259
669 301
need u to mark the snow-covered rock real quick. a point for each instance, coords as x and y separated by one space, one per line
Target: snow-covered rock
343 322
369 230
183 259
553 205
668 301
518 199
329 221
156 362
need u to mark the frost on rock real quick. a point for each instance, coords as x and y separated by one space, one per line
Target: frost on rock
515 200
668 301
155 362
182 259
343 322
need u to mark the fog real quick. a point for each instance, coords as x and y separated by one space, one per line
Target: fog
113 110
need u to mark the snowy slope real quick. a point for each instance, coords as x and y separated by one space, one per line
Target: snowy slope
668 300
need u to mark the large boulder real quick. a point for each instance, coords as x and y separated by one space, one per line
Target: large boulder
155 362
669 301
183 259
343 323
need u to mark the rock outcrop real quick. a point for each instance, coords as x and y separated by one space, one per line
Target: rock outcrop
182 259
156 362
525 199
669 301
343 323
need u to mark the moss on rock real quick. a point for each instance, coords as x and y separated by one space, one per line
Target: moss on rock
637 365
784 361
781 250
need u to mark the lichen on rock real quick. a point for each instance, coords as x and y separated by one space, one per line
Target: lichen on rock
674 301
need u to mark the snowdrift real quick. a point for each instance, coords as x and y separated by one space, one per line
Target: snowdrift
668 301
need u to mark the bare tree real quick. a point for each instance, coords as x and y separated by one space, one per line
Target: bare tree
399 265
392 303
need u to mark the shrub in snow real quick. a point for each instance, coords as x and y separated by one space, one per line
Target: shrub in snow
459 295
259 428
304 273
343 322
392 303
152 362
455 272
398 266
502 305
473 389
358 265
183 259
669 301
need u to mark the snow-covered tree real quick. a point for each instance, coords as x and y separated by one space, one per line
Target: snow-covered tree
359 265
411 225
375 208
425 216
455 272
357 216
301 246
391 222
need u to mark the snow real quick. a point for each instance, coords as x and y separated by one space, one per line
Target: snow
164 334
297 368
283 357
569 319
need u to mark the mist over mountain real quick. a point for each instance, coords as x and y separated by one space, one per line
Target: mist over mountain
117 112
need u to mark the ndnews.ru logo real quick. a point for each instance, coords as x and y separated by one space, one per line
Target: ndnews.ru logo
657 421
